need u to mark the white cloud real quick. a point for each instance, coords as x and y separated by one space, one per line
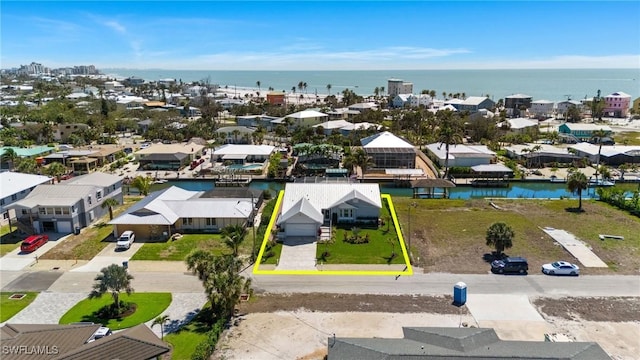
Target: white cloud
116 26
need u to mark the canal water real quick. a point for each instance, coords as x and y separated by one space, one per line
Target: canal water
516 190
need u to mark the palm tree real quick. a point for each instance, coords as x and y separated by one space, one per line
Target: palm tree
142 183
576 182
198 262
109 203
597 137
301 85
160 320
114 279
234 236
10 156
500 236
258 85
449 133
329 88
56 170
361 159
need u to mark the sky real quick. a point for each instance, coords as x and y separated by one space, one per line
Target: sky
323 35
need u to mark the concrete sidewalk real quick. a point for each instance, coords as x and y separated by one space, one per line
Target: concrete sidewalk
108 256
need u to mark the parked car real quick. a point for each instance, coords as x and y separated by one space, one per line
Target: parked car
125 240
512 265
33 243
561 268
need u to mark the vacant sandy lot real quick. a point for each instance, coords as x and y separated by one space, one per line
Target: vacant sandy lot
273 327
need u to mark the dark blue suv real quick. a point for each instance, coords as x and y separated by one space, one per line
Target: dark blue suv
510 265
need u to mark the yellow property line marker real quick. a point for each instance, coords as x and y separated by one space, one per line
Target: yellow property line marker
407 271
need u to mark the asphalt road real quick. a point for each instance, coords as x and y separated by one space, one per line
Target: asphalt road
423 284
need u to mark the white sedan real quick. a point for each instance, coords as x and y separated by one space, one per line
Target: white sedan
561 268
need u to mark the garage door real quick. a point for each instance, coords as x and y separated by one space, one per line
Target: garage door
301 230
64 227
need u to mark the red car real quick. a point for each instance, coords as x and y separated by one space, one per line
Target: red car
33 242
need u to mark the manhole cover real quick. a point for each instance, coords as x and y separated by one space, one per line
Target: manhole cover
17 296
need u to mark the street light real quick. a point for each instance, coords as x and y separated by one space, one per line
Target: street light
411 205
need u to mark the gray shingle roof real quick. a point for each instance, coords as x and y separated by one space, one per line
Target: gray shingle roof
458 343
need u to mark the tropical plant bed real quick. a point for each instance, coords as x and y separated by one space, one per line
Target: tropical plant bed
449 235
177 250
11 304
272 253
147 307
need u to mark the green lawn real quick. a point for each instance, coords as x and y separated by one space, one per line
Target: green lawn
11 307
383 241
177 250
449 235
9 241
149 306
272 260
185 340
627 138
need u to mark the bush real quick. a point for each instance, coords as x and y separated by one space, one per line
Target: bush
112 312
205 349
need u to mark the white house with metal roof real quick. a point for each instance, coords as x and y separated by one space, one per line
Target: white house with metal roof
177 210
307 207
242 153
16 186
461 155
520 125
307 118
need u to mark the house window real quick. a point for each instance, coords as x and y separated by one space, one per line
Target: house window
65 210
211 222
187 221
58 211
50 211
1 201
24 212
98 195
346 213
89 199
14 197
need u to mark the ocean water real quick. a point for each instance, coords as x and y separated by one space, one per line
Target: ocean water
542 84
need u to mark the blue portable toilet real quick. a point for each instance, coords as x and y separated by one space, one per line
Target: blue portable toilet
460 294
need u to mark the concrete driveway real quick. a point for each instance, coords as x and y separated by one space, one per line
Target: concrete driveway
17 260
512 315
298 253
108 256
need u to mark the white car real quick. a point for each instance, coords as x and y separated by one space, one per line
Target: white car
561 268
125 240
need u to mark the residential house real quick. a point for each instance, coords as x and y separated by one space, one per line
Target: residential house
230 103
70 205
458 343
583 132
520 125
242 154
362 107
541 108
455 102
420 100
30 152
113 85
635 108
617 104
62 132
276 98
461 155
333 125
130 102
307 118
16 186
612 155
168 156
235 134
254 121
516 102
474 104
563 107
174 209
389 151
545 154
398 86
401 100
308 207
78 341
